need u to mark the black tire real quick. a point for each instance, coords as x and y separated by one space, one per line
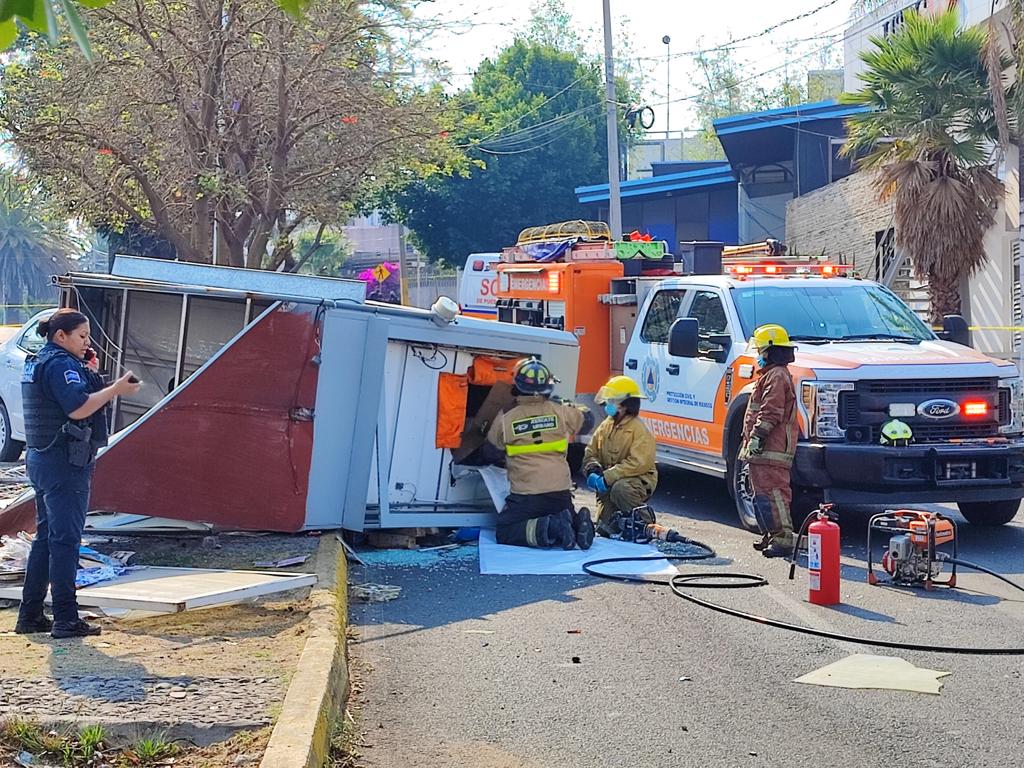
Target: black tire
805 500
10 449
989 512
740 491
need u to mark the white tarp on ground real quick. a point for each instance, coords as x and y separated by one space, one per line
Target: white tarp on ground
882 672
506 560
171 590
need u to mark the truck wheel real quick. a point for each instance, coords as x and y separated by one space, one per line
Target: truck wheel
805 501
989 512
10 449
742 493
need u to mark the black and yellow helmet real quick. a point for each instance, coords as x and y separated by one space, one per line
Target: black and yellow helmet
896 433
532 377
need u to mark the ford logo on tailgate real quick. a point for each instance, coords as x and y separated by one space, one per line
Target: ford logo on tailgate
938 409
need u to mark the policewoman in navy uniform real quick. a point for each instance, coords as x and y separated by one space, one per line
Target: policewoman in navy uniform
65 403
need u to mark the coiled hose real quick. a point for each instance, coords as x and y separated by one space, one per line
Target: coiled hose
749 580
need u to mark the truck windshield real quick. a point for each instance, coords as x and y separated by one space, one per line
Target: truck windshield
861 312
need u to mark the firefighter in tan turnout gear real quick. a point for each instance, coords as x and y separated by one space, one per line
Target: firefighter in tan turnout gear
769 440
619 461
535 437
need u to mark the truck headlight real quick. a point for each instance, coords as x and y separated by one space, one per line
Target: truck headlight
821 406
1015 390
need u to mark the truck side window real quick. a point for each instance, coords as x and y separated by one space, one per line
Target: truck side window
709 313
663 312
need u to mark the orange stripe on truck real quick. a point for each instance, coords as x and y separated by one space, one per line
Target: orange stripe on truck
685 433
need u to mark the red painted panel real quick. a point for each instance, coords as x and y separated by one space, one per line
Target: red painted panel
224 449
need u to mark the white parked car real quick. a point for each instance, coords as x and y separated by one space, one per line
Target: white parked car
12 361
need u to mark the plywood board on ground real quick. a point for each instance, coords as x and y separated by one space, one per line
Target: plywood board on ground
172 590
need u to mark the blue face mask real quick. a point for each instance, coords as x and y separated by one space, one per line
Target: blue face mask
611 409
762 362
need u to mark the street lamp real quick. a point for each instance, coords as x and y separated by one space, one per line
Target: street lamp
668 84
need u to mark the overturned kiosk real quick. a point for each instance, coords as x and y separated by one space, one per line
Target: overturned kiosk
282 402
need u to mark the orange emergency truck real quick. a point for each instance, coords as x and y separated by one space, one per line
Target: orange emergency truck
864 359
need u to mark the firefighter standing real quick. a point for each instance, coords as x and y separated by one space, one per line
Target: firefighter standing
619 461
535 437
769 440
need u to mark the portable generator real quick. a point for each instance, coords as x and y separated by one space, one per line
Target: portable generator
911 556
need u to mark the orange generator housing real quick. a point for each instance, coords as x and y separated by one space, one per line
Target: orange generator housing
564 296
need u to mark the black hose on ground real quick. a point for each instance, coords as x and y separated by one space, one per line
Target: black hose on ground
749 580
981 568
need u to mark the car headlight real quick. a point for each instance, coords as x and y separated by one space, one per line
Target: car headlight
1015 391
821 405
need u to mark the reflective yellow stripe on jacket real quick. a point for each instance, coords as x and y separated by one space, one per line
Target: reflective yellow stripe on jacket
555 446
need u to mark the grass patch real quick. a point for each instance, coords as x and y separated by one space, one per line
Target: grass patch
71 749
147 752
346 738
85 748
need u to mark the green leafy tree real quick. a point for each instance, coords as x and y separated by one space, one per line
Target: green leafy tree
42 16
34 246
930 140
223 119
533 123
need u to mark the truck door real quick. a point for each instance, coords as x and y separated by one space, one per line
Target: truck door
682 394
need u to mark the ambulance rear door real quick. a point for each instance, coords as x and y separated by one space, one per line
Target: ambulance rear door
685 404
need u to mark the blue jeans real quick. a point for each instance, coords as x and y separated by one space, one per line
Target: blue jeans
62 500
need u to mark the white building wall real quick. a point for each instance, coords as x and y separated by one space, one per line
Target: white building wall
886 17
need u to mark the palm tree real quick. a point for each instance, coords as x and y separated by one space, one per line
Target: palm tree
930 139
33 247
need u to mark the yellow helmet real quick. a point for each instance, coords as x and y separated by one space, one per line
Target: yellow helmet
896 433
617 389
771 336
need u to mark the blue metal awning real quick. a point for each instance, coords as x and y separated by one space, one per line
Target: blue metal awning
758 138
718 175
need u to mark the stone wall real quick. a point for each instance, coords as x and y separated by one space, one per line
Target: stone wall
840 221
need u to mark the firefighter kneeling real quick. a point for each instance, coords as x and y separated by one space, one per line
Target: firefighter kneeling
535 436
769 440
619 461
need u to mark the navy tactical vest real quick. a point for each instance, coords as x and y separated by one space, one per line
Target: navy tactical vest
43 415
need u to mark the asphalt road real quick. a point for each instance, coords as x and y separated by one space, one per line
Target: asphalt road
471 670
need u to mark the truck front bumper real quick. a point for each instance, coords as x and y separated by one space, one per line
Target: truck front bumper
872 474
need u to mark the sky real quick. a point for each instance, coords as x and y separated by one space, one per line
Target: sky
489 25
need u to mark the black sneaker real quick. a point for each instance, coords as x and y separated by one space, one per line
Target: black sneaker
584 528
77 629
33 626
761 545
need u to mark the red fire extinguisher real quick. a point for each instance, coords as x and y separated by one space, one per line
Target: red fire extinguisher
823 561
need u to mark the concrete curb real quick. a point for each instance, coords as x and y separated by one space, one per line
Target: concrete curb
317 693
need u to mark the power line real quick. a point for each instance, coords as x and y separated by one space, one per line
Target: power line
747 38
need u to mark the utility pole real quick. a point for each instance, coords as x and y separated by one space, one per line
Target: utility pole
668 85
614 200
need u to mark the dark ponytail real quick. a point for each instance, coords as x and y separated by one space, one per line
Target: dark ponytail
62 320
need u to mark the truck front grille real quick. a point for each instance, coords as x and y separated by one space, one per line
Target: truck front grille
928 386
940 433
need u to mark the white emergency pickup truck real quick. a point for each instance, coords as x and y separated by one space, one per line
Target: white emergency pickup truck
864 358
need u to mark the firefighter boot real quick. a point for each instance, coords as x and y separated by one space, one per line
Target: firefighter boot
560 532
584 527
775 549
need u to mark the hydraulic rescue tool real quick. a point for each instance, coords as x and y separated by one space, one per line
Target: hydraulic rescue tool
911 557
639 527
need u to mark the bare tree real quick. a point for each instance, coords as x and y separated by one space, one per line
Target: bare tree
199 117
